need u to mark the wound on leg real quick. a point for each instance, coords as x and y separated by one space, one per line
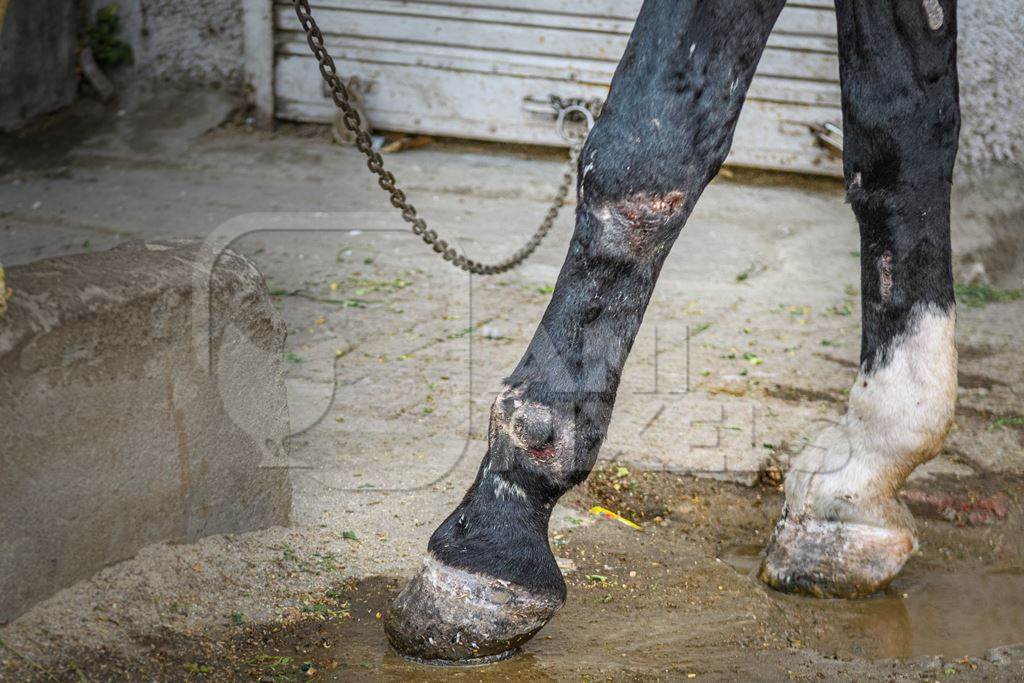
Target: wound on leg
885 276
933 10
534 426
531 426
634 221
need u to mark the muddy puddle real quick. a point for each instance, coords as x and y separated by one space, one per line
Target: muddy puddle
676 601
926 611
680 600
958 615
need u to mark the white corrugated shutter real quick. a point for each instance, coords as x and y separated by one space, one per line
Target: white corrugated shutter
464 68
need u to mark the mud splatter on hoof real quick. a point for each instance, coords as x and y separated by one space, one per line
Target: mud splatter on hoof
833 559
450 616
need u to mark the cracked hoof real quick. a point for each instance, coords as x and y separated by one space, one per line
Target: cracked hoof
833 559
453 616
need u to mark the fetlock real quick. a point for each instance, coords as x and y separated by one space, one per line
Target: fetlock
490 580
843 531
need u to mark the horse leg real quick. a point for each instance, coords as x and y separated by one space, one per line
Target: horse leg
843 531
489 581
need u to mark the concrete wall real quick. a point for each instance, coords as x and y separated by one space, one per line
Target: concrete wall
988 193
195 43
991 64
114 431
38 39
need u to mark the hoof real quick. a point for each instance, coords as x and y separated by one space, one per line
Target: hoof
457 617
833 559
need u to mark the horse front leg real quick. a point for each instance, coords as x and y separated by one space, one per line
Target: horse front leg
489 581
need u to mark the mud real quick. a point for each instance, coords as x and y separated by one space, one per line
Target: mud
677 600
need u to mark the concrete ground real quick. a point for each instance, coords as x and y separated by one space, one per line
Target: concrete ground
749 345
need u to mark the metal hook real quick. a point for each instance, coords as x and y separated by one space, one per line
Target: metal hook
563 114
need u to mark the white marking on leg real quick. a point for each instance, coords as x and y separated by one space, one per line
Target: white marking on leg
583 177
898 417
504 488
905 407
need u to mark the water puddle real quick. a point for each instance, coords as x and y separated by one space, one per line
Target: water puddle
744 558
924 612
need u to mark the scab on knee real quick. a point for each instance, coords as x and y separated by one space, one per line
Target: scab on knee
635 224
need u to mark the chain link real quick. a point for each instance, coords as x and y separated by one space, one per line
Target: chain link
388 183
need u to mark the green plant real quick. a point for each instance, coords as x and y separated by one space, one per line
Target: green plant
1008 421
108 48
976 296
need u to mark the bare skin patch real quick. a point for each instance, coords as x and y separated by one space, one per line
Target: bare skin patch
644 209
936 17
534 429
885 276
630 224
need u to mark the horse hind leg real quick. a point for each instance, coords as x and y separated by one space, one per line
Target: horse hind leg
843 531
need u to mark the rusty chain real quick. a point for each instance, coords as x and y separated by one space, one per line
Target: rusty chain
387 181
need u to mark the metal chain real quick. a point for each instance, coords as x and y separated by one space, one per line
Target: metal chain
387 180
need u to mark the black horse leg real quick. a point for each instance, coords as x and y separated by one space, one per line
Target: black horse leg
843 531
489 581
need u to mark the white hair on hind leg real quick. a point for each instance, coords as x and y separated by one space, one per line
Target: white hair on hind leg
904 407
899 414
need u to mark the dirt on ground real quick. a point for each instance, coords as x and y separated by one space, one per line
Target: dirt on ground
393 359
676 600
